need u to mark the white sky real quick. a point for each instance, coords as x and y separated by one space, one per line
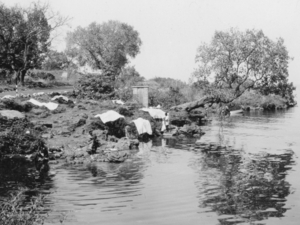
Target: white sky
172 30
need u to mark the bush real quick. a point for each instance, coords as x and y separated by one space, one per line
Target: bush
41 75
125 94
21 138
166 97
95 86
257 100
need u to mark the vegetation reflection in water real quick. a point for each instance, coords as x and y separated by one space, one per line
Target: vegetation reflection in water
241 187
238 186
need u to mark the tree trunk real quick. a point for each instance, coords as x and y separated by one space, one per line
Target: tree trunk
195 104
23 73
17 77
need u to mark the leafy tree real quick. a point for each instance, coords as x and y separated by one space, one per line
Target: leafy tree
55 60
238 61
25 37
128 77
104 47
166 92
169 82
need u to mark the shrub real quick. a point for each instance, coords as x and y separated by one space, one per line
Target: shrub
95 86
21 138
166 97
41 75
255 99
125 94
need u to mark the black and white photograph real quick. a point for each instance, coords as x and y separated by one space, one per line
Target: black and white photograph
150 112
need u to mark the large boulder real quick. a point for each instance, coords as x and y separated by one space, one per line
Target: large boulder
63 100
190 131
182 117
13 104
7 123
79 123
11 114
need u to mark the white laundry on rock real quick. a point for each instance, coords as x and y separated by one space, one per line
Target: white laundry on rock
143 126
109 116
38 94
120 102
60 96
49 105
8 97
155 113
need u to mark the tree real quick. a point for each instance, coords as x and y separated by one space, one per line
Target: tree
128 77
25 37
104 47
55 60
238 61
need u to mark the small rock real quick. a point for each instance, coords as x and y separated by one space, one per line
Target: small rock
46 136
81 107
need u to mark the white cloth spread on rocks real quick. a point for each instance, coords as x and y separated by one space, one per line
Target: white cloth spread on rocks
8 97
143 126
108 116
49 105
120 102
38 94
11 114
155 113
60 96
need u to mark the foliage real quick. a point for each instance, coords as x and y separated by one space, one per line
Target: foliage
128 77
55 60
169 82
257 100
95 86
13 210
249 186
192 93
165 92
238 61
105 46
283 89
166 98
41 75
25 37
21 138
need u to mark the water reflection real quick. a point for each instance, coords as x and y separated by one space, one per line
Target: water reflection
242 187
15 175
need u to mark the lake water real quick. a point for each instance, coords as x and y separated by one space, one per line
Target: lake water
244 170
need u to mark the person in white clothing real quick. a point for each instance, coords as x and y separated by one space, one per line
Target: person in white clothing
167 121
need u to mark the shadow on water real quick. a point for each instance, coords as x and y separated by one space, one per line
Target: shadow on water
238 186
242 187
15 175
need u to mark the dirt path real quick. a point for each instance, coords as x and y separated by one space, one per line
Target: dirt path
31 91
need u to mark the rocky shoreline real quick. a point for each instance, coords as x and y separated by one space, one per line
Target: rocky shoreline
72 133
